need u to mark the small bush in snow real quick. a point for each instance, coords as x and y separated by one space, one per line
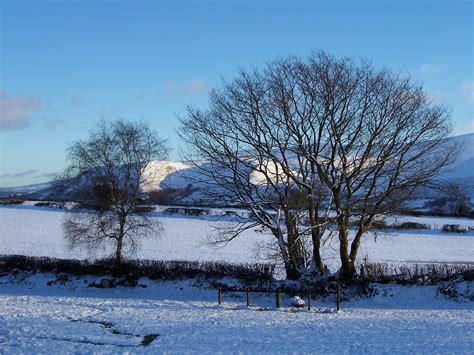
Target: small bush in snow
187 211
379 224
413 273
411 225
10 201
454 228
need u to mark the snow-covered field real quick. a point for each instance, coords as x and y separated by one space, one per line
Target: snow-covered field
37 231
179 317
65 319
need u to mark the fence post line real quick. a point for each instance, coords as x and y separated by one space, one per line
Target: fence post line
219 296
338 298
277 300
247 291
309 300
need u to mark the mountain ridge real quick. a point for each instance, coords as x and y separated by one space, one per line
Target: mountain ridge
173 176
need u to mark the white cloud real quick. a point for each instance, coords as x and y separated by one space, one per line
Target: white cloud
20 174
34 173
429 69
192 87
15 111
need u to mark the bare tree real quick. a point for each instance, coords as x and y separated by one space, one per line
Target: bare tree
107 174
347 137
246 148
454 200
384 139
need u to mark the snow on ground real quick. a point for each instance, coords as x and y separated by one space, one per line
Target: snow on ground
178 317
74 318
37 231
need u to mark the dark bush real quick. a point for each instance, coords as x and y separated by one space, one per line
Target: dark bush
187 211
50 204
454 228
379 224
154 269
412 273
143 209
434 212
10 201
410 225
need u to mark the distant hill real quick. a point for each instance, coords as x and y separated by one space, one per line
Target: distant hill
175 182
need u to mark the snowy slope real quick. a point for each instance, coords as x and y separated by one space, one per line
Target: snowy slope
463 169
23 190
176 175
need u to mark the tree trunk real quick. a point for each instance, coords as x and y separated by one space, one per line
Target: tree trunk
291 273
356 243
347 264
296 262
118 249
295 252
315 234
317 260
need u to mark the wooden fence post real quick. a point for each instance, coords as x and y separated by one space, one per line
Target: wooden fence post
338 299
309 300
247 291
219 296
277 300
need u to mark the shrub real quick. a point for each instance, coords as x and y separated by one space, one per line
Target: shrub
50 204
187 211
143 209
10 201
454 228
154 269
379 224
409 225
413 273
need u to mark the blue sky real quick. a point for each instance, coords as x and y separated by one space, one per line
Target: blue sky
66 64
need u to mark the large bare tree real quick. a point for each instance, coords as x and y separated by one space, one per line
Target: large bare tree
384 139
338 133
107 173
246 147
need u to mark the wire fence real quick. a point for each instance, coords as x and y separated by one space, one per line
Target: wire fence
278 292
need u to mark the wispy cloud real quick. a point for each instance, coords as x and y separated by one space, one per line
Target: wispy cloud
34 173
15 111
428 69
46 175
192 87
29 172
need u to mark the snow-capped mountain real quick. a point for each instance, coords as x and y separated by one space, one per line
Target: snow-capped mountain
179 179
